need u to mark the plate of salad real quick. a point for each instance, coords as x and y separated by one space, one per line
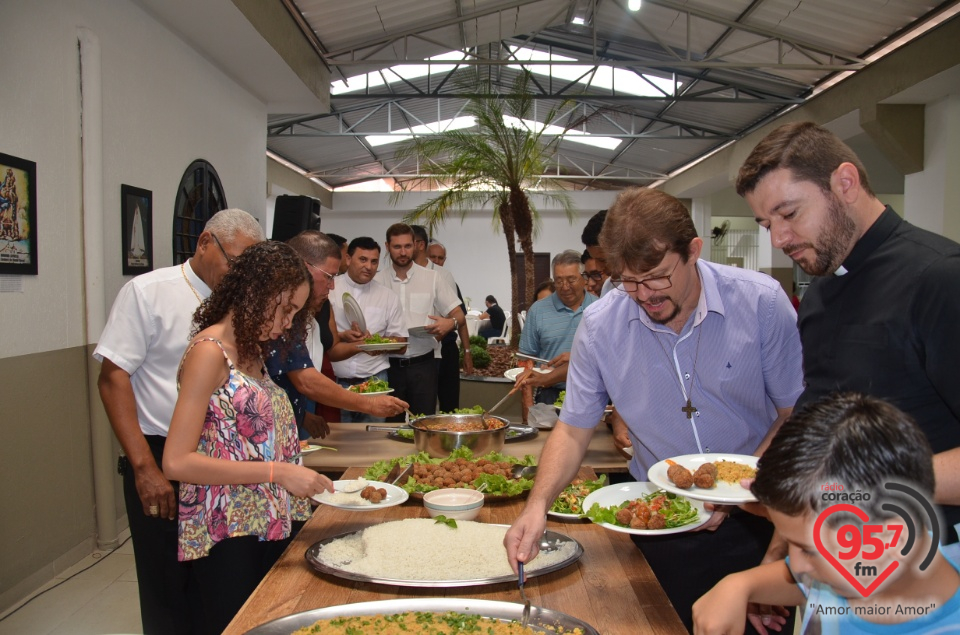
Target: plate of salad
373 386
643 509
377 342
569 504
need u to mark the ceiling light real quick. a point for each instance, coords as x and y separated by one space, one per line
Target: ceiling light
633 5
578 20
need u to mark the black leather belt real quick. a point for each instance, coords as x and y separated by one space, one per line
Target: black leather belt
403 362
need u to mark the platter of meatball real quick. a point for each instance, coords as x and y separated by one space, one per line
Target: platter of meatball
714 477
643 509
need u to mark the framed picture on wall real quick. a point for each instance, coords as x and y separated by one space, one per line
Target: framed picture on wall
136 212
18 216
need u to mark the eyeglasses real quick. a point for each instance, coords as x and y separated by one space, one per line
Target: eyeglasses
329 276
596 276
231 260
655 283
566 282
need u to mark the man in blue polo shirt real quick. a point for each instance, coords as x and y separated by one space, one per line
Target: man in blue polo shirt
698 358
551 323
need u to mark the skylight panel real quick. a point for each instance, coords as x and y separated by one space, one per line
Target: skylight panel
395 74
608 77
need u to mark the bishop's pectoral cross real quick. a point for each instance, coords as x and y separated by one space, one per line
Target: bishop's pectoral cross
689 409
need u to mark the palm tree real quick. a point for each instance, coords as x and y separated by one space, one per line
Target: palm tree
493 163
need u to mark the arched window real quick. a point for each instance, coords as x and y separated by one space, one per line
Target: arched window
199 197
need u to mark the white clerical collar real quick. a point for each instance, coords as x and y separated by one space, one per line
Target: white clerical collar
841 271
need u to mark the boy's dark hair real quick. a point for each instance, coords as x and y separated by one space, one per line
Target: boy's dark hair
545 284
491 299
857 441
337 238
362 242
591 233
420 233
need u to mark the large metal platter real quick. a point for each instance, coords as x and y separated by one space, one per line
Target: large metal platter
553 537
541 620
516 432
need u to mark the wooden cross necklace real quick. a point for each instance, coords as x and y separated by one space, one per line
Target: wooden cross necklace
689 408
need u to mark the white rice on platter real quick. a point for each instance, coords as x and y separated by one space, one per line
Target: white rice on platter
471 551
343 498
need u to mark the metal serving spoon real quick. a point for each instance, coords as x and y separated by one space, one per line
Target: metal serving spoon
525 618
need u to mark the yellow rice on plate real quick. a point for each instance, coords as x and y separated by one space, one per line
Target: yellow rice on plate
733 472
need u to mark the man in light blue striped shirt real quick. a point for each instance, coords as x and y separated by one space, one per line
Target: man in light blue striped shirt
698 358
551 323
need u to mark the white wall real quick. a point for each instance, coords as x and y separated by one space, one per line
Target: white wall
476 256
163 107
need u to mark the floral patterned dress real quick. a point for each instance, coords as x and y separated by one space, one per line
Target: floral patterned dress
247 420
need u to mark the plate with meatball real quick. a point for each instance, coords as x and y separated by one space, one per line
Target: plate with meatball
714 478
643 509
371 496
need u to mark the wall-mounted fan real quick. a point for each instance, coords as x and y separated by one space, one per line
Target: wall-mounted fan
718 233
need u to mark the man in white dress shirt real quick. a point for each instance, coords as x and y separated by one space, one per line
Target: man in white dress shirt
140 349
427 302
382 314
448 356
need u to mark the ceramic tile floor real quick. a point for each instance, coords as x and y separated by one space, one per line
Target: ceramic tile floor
99 601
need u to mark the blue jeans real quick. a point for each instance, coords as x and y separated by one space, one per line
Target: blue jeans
351 416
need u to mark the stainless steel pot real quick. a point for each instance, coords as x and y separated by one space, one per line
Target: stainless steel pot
440 443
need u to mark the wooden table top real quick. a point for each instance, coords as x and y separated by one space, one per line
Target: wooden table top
356 446
611 588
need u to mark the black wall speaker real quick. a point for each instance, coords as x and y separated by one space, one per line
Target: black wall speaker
293 214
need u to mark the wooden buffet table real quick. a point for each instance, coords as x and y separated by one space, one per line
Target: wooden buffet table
356 446
610 588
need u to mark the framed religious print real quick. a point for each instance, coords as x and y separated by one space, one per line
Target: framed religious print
18 216
136 213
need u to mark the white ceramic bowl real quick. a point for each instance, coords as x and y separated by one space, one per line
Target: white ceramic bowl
454 502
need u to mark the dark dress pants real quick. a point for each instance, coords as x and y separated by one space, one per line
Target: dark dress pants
167 605
687 565
416 384
448 375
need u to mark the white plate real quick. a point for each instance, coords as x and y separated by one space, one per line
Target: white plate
513 373
384 346
615 494
369 394
353 312
721 493
395 496
418 331
563 516
536 359
312 448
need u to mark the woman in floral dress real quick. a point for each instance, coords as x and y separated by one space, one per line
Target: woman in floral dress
233 438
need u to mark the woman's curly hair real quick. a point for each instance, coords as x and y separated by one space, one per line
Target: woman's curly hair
252 288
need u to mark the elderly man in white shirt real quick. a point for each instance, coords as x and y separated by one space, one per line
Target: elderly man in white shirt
382 314
140 349
428 303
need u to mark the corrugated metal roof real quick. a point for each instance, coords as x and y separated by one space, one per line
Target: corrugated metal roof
738 63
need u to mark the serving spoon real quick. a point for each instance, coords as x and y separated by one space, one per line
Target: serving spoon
525 618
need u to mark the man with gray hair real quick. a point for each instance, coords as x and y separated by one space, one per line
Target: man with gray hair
140 349
551 323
